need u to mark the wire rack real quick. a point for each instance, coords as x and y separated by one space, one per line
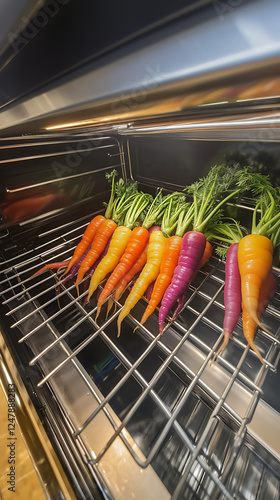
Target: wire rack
163 398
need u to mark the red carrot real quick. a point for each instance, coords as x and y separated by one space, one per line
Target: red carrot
54 265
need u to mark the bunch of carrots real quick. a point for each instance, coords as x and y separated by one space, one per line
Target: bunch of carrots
164 241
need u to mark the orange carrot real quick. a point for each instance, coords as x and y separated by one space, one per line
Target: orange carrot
249 325
135 246
137 266
103 234
168 264
116 249
54 265
157 243
255 256
86 240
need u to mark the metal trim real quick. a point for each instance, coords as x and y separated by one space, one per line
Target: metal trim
42 454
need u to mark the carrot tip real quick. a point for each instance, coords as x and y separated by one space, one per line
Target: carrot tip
221 348
119 330
135 328
97 312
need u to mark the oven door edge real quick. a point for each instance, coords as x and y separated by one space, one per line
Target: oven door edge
44 457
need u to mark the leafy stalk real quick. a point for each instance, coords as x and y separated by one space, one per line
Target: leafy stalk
111 179
268 205
227 231
208 194
171 213
184 219
157 208
121 206
137 207
121 193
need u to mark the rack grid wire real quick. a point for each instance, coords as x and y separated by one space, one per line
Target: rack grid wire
187 426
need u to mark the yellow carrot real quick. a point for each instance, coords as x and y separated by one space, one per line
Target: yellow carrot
148 274
255 256
108 263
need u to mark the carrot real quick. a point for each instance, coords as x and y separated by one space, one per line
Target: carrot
229 232
255 251
116 208
255 257
168 208
86 240
179 216
205 257
119 243
137 266
92 269
137 242
208 250
117 247
192 248
206 193
104 232
249 325
54 265
168 264
232 295
157 243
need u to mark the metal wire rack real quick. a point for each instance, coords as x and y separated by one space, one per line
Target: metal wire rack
161 395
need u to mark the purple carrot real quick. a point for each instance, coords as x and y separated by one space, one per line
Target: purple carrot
74 269
192 248
232 295
149 290
181 303
70 275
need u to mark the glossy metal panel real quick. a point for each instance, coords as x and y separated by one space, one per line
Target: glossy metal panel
222 56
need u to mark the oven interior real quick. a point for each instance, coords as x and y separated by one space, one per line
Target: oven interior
141 414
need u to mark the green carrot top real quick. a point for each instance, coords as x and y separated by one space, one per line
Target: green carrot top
156 210
266 214
171 213
209 194
226 231
121 196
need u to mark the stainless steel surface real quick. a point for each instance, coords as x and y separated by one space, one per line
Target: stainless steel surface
230 390
14 18
221 55
149 414
46 463
54 175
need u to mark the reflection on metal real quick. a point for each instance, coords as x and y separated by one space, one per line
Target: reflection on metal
167 75
59 179
44 459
